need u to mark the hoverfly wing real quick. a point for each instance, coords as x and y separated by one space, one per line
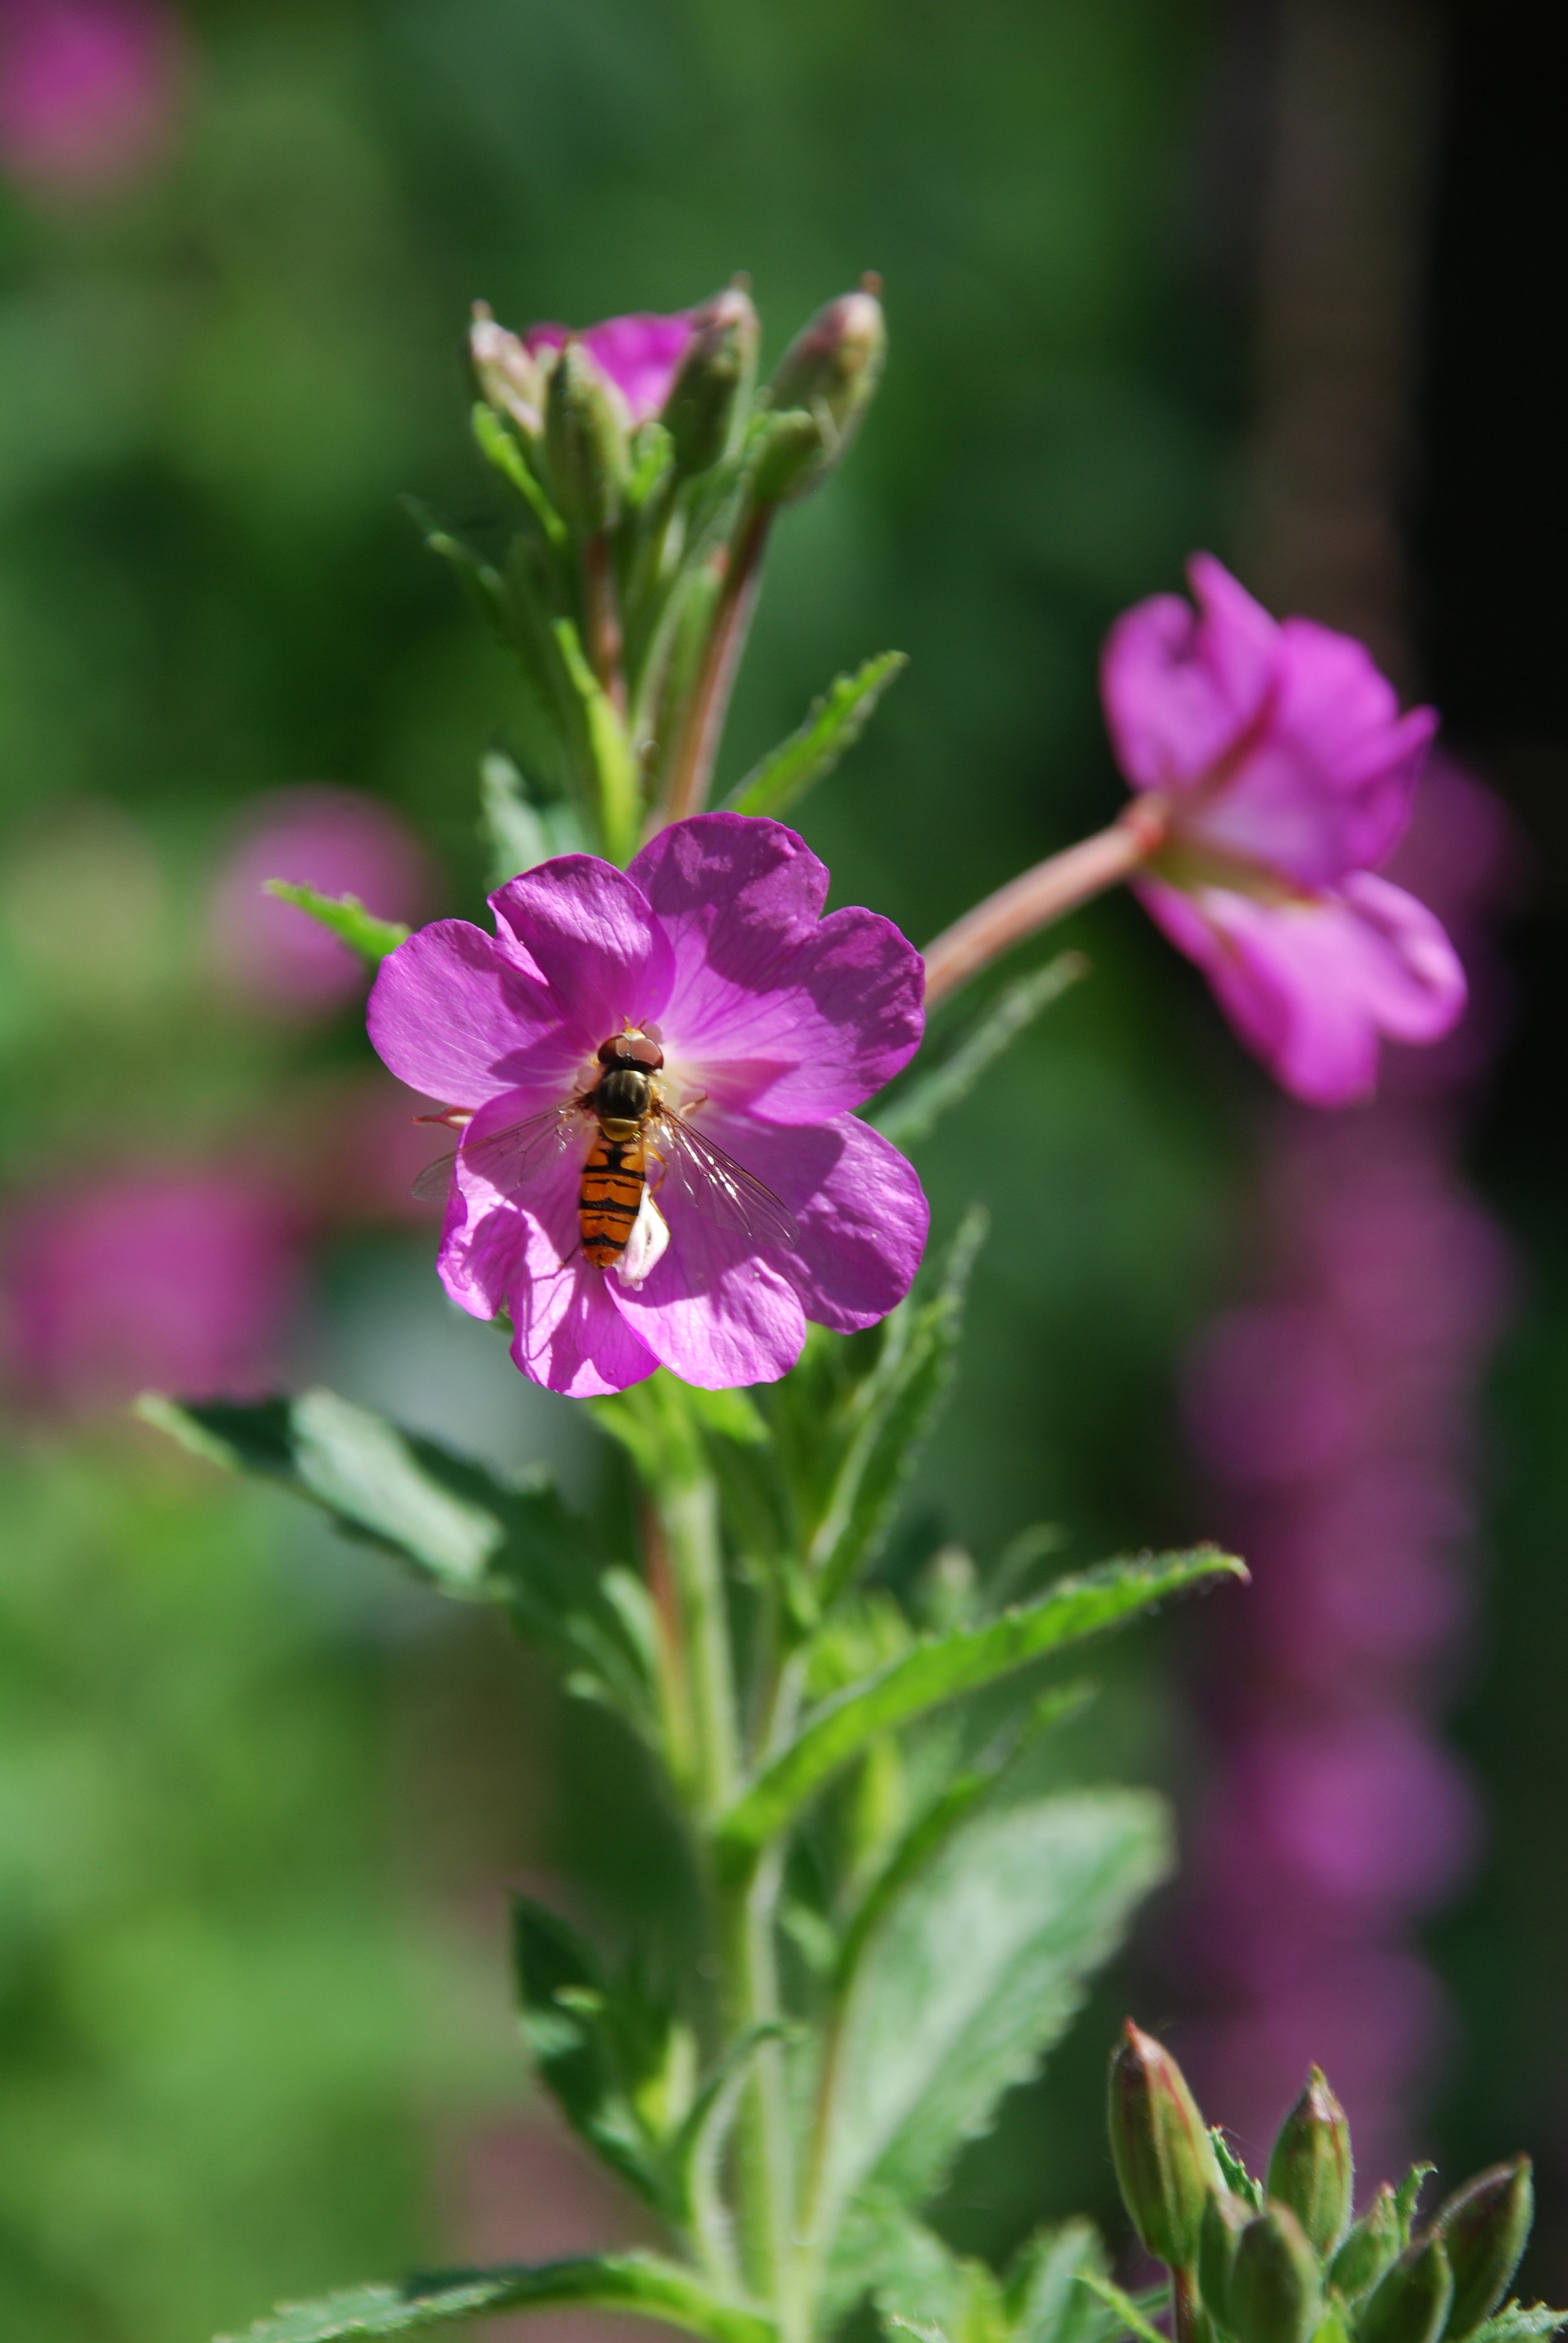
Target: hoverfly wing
505 1158
721 1190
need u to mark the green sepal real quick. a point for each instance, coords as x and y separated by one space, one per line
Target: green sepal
944 1669
498 447
455 1523
834 724
1233 2172
1311 2167
922 1101
1274 2293
1485 2226
645 2284
1372 2244
345 917
1409 2303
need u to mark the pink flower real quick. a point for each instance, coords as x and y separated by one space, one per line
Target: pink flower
177 1280
336 841
773 1022
638 356
1286 773
88 89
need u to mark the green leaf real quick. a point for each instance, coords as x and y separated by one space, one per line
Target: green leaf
641 2283
928 2291
892 1412
1127 2313
569 2020
347 917
694 2157
1517 2322
472 1535
835 723
921 1103
1043 2296
944 1668
484 584
1407 2197
519 833
498 447
1237 2177
971 1974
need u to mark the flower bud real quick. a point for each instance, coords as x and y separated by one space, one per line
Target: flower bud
1164 2161
713 386
1224 2218
830 372
1483 2228
1274 2294
1369 2247
586 453
1409 2303
1310 2168
506 372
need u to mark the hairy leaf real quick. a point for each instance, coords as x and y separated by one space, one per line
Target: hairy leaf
1519 2322
643 2283
610 752
347 917
568 2024
519 833
919 1105
945 1667
972 1974
834 725
470 1533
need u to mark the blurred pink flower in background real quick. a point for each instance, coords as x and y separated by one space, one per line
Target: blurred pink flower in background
639 354
337 841
169 1279
1286 775
1335 1412
89 90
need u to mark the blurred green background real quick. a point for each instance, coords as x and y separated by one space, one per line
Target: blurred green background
257 1802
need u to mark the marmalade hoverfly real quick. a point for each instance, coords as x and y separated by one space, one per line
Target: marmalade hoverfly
615 1193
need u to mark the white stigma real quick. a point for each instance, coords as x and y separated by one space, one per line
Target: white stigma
645 1246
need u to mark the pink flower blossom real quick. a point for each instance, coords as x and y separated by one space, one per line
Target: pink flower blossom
179 1281
336 841
639 355
88 89
1287 774
774 1023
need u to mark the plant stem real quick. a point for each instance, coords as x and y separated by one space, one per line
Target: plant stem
689 1526
766 2162
1052 888
693 774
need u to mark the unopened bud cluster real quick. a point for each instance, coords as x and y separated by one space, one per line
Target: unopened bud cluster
1281 2260
648 463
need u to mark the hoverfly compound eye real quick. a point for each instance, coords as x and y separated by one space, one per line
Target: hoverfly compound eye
631 1050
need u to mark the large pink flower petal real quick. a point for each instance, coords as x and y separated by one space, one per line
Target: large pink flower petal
1312 986
585 931
1324 782
454 1018
1182 686
715 1312
772 1008
858 1205
513 1245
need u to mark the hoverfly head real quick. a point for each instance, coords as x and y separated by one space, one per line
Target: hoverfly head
631 1048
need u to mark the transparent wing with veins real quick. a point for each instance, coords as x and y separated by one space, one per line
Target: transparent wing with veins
508 1159
717 1189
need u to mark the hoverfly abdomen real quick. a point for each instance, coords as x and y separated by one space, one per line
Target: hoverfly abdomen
615 1172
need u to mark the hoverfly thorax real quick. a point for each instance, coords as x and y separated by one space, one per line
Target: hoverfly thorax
626 1094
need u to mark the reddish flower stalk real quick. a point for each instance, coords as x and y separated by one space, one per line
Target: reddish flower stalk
693 774
1053 888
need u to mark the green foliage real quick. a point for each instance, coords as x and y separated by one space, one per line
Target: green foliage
930 1093
642 2284
344 915
455 1523
970 1974
835 723
946 1666
929 2290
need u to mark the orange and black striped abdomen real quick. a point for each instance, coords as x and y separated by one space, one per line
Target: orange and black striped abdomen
609 1196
